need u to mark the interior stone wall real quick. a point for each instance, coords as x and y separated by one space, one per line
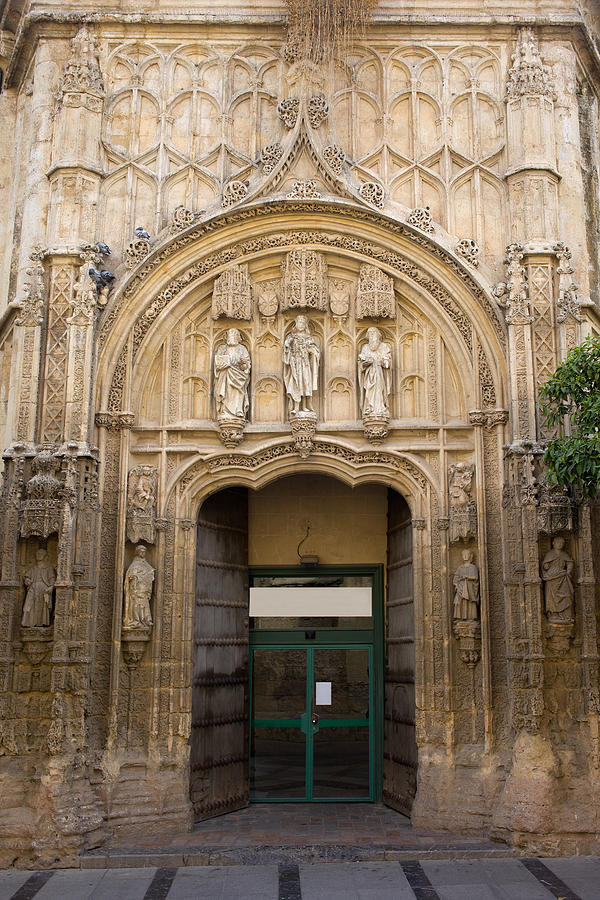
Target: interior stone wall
347 525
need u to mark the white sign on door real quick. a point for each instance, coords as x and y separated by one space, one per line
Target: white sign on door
323 693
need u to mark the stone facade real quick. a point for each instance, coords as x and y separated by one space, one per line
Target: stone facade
178 174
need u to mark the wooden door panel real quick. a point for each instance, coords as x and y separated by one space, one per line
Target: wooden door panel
400 747
219 743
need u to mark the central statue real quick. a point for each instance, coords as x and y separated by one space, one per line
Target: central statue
301 355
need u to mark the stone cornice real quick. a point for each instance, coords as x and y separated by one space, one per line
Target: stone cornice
66 21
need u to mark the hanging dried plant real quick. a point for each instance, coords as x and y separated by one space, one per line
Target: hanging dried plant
316 27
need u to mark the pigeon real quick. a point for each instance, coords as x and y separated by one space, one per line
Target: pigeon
101 279
102 248
142 233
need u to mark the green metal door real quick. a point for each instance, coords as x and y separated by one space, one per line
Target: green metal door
312 722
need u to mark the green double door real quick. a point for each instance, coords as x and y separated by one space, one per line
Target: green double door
312 735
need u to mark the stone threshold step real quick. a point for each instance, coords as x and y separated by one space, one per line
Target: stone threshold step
272 855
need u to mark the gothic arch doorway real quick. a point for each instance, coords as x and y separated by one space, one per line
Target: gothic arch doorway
303 531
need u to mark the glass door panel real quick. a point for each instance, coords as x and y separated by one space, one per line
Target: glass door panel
341 763
278 736
312 727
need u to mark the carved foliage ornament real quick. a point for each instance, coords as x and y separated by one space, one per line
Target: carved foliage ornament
318 110
31 308
137 251
567 301
270 157
528 76
335 158
373 193
468 249
235 191
141 504
288 110
304 190
421 218
82 71
374 294
513 294
232 294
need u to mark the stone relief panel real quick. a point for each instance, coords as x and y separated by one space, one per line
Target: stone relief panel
141 504
422 126
420 382
232 294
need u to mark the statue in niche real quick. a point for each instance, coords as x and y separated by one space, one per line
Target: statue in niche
301 355
557 569
375 375
466 590
232 366
139 579
39 581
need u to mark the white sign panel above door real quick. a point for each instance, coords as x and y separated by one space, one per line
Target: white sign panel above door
310 601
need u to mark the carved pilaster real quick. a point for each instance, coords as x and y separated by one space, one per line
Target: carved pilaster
76 147
513 296
28 344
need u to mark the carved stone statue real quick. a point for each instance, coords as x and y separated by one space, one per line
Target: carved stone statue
375 375
139 579
301 355
557 568
141 503
466 589
463 509
232 366
39 581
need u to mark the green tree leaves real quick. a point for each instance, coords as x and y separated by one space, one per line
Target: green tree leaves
573 394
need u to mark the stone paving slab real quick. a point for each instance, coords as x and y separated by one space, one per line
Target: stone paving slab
575 878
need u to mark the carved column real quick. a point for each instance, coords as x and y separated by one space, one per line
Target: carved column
531 147
76 162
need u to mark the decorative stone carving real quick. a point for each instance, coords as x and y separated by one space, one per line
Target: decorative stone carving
137 251
421 218
234 191
463 509
181 218
267 298
304 283
466 602
339 298
373 193
82 73
304 426
528 76
301 355
513 294
288 110
557 570
374 294
304 190
37 642
374 381
41 510
86 299
270 157
39 581
335 158
469 250
141 504
232 365
318 110
556 510
31 307
232 293
567 301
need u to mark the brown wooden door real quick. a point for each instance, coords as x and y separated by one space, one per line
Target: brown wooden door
400 746
219 741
